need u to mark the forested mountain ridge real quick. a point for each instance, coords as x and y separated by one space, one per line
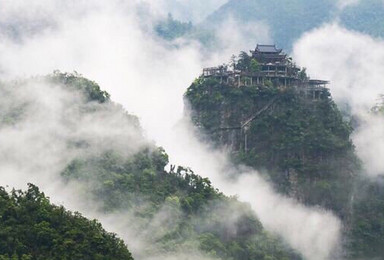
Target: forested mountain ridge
194 207
304 145
32 228
300 142
172 212
286 20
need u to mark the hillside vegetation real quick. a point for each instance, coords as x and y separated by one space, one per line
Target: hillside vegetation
193 207
173 212
304 145
367 233
301 145
32 228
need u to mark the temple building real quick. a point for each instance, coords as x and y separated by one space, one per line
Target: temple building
268 54
275 66
268 65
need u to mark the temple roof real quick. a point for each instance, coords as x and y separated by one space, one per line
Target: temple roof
267 49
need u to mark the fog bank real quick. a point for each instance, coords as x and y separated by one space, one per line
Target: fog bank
111 44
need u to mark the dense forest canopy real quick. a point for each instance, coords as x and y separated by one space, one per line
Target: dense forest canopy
33 228
295 139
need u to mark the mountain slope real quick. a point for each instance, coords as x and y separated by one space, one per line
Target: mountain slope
32 228
192 206
367 232
299 142
288 20
107 160
304 145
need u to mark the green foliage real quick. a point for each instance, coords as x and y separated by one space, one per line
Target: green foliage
244 62
141 184
366 237
75 81
209 99
170 28
303 74
254 66
174 211
195 209
32 228
118 180
304 144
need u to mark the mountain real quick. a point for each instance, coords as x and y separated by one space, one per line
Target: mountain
170 28
288 20
32 228
271 116
194 208
107 160
366 17
367 236
303 144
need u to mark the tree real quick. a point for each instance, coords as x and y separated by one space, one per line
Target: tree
244 61
303 74
32 228
255 66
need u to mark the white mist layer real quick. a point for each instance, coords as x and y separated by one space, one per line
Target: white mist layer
354 63
346 3
186 10
44 126
369 140
149 78
40 142
312 231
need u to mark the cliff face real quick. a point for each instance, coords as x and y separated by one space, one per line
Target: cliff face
303 144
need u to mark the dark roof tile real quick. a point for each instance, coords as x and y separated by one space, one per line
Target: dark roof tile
267 48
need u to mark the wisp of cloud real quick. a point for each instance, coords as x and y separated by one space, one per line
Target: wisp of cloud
354 63
109 42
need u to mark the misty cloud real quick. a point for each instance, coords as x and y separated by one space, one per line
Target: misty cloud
369 140
354 63
354 66
106 43
46 126
345 3
186 10
235 36
314 232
